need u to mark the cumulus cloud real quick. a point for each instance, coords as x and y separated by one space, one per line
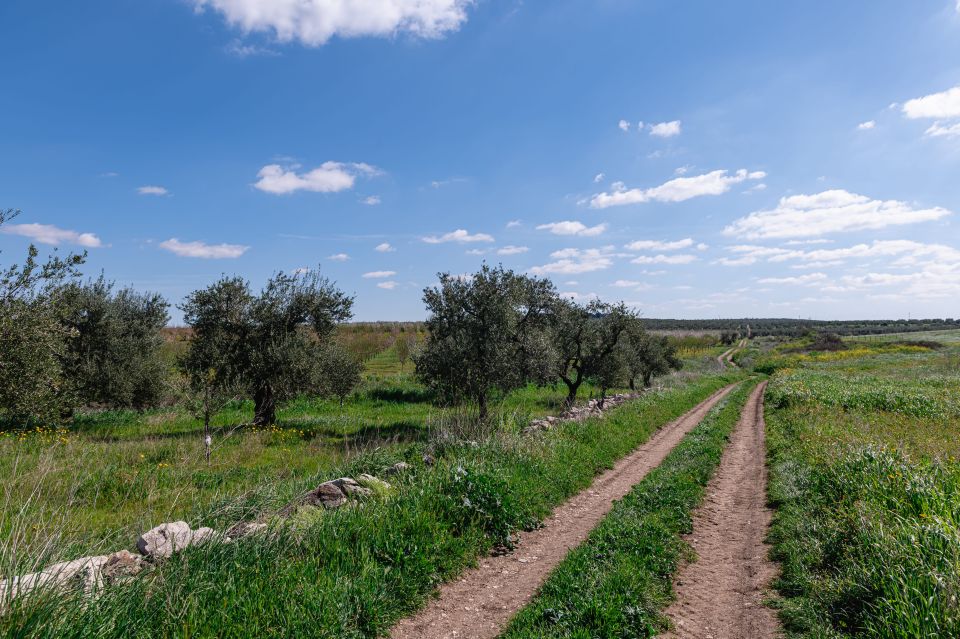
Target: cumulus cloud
572 261
940 130
572 227
371 200
378 275
384 248
512 250
664 259
203 250
50 234
866 126
624 125
152 190
339 257
676 190
314 22
832 211
665 129
514 224
329 177
389 285
460 235
658 245
945 104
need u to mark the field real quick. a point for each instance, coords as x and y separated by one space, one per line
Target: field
97 483
864 452
864 478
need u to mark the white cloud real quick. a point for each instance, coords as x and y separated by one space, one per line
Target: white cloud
313 22
665 129
657 245
242 49
945 104
512 250
329 177
632 284
460 235
378 275
624 125
676 190
574 295
939 130
664 259
384 248
800 280
477 252
339 257
152 190
514 223
371 200
866 126
203 250
389 285
572 261
50 234
572 227
833 211
599 177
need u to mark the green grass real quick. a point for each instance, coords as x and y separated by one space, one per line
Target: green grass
866 485
355 571
617 582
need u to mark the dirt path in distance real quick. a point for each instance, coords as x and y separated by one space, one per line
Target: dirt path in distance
720 595
479 604
726 357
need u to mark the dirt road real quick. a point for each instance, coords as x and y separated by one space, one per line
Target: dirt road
720 595
484 599
726 357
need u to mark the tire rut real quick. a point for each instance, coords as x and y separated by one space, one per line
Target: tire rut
720 595
480 603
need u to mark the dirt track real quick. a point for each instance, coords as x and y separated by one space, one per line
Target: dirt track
483 600
720 595
726 357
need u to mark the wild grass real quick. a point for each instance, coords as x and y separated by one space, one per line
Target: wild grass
617 582
112 475
866 484
355 571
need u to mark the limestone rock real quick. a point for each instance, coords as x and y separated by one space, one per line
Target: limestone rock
398 468
375 484
328 495
351 488
164 540
122 565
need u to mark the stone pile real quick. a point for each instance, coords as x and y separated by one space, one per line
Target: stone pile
163 541
593 408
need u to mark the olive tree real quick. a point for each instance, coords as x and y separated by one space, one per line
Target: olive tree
32 340
342 372
270 344
401 346
484 332
114 356
584 338
646 355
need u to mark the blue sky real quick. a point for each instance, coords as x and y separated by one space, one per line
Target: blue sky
696 159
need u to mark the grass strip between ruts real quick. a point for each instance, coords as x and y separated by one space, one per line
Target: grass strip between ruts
618 581
354 572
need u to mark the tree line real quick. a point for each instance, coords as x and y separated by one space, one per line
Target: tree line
498 330
68 343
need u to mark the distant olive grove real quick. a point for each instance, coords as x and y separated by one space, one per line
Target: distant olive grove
69 343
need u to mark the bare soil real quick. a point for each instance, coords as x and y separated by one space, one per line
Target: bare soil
485 598
721 594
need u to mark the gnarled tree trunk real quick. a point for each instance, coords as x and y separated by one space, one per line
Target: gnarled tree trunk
264 406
